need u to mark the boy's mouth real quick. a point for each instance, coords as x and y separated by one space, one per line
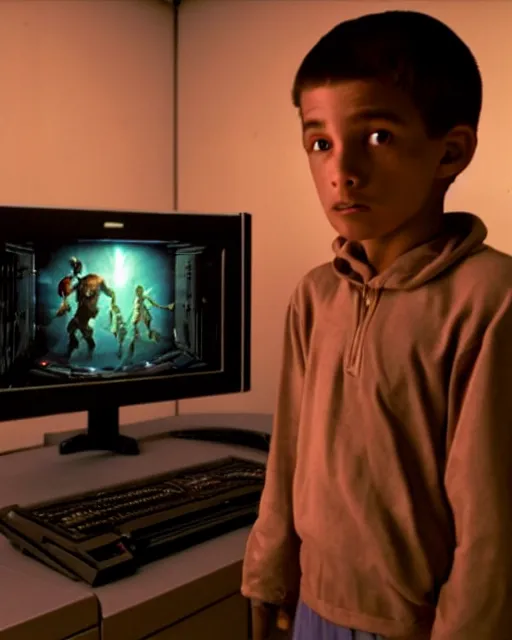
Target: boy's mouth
348 208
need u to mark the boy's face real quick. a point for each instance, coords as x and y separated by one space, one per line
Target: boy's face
367 145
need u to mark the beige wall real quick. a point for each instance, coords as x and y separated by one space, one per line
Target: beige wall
240 143
86 120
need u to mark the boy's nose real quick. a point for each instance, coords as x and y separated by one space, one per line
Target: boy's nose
347 178
348 170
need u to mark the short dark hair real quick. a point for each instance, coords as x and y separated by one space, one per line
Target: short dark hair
414 51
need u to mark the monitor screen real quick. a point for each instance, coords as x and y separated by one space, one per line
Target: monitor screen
107 310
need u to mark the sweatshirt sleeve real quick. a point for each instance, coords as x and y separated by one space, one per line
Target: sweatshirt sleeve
475 602
271 565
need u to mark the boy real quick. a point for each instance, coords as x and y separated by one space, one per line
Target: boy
387 509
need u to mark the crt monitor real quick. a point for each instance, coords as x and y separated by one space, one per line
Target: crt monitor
100 309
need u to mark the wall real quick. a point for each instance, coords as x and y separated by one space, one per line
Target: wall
85 121
240 147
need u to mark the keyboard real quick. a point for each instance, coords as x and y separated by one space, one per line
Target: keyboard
104 535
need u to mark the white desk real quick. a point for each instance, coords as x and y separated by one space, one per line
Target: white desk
176 598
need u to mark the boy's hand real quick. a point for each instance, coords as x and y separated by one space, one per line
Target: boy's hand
270 622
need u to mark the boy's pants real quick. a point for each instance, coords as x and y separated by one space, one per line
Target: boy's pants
310 626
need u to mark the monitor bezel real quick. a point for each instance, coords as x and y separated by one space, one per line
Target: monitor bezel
230 232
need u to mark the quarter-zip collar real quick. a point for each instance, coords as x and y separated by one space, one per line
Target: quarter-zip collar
463 234
367 302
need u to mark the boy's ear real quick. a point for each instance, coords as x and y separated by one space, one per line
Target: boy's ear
459 149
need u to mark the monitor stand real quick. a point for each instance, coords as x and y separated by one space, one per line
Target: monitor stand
102 435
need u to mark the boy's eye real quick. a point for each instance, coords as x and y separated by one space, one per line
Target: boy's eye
380 137
321 145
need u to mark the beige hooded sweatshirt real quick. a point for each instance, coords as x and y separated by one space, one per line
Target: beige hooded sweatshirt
388 495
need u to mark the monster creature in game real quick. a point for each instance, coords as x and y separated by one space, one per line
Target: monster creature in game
141 314
87 290
118 328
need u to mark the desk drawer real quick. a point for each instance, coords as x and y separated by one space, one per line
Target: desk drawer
226 620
